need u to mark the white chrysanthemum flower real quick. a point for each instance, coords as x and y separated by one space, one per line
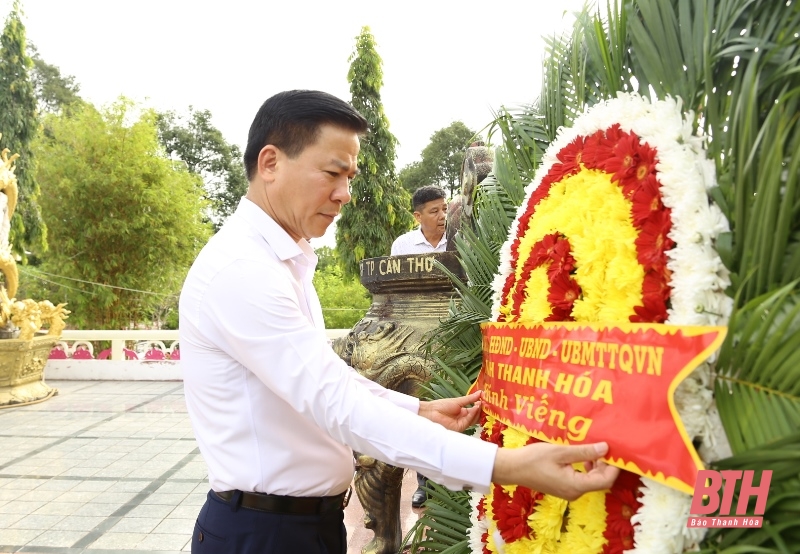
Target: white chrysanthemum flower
478 525
661 519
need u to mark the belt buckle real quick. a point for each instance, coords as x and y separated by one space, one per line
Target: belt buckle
346 500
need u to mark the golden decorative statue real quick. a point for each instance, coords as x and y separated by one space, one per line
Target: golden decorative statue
410 295
8 203
22 357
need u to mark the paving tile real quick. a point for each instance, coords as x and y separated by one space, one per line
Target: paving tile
37 521
151 510
128 486
98 486
92 509
11 494
56 538
171 499
20 537
78 523
59 508
58 484
6 520
163 541
24 484
182 511
77 482
113 497
20 507
84 472
176 487
197 498
77 496
117 541
149 472
136 525
176 526
40 494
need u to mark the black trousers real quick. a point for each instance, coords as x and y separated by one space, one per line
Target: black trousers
225 529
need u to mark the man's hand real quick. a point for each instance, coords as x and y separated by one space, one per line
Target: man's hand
548 468
452 413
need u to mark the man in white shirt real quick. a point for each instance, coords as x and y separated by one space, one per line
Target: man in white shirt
430 211
275 412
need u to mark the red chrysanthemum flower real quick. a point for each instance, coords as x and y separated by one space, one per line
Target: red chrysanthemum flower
655 293
653 242
543 250
512 512
625 157
562 261
482 507
482 423
646 200
570 157
605 147
593 150
643 314
621 503
643 171
497 433
618 544
560 314
564 291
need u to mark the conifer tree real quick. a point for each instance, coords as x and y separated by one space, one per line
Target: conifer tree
379 209
18 125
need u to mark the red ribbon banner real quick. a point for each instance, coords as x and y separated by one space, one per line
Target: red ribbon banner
581 383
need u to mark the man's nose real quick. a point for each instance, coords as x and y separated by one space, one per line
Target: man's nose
341 193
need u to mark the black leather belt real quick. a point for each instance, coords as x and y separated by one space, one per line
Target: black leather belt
295 505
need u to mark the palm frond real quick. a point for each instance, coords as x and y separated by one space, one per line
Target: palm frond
781 531
736 65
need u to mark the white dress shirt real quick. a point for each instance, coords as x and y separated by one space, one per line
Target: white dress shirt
414 242
273 408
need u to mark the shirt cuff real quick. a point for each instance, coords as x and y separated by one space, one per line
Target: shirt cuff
468 463
404 401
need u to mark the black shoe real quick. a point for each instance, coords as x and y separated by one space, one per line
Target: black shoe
419 497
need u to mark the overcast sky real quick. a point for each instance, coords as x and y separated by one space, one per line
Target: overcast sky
442 60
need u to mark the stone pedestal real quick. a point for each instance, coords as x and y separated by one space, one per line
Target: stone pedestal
22 370
410 296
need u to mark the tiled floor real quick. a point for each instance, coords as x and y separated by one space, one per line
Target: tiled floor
112 467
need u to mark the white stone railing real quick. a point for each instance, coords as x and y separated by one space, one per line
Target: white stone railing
134 355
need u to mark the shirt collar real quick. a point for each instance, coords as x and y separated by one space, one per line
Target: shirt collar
420 238
282 244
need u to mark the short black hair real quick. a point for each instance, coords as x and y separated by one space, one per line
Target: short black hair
426 194
291 121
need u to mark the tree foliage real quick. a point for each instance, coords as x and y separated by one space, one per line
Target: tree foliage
441 160
194 140
18 124
344 301
378 211
55 92
120 213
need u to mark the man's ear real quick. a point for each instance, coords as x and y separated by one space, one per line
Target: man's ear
268 162
418 217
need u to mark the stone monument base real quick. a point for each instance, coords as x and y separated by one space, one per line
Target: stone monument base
22 370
